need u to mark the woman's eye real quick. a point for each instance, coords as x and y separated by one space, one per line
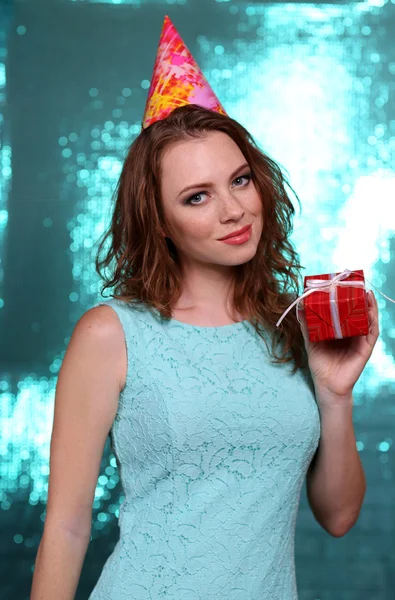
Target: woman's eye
243 179
195 199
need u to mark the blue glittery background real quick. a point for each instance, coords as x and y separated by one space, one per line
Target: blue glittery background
315 84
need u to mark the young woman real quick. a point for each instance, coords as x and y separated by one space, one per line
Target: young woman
216 417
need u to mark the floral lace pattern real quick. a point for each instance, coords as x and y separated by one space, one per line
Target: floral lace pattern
213 442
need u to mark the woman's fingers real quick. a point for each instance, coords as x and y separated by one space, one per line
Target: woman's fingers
373 313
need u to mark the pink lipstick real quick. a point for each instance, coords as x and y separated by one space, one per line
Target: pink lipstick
238 237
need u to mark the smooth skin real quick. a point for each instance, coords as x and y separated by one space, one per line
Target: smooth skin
94 368
89 383
220 198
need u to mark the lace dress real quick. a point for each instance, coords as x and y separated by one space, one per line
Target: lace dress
213 443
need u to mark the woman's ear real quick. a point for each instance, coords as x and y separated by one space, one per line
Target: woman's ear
164 232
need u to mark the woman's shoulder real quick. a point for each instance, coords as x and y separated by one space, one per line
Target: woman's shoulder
116 317
97 347
100 324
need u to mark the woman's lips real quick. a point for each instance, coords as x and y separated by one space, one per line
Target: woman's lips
238 237
235 233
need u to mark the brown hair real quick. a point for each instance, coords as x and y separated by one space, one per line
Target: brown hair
136 260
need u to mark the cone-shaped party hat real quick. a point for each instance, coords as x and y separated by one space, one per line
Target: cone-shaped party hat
177 79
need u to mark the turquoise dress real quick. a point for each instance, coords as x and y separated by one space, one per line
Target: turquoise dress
213 443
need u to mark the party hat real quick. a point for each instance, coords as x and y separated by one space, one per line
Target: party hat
177 79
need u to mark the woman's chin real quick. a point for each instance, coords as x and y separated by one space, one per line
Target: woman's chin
238 256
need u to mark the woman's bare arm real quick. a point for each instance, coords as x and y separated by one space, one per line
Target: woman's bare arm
335 480
92 375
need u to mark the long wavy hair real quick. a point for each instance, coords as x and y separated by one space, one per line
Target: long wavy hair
139 264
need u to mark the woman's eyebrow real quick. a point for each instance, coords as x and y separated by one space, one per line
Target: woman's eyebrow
208 184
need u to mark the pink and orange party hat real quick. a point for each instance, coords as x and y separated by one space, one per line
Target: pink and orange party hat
177 79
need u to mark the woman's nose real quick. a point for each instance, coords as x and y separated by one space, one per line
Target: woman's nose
231 207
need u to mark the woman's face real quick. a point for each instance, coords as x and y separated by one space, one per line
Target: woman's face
208 193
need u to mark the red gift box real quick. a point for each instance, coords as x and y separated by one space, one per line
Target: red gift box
339 312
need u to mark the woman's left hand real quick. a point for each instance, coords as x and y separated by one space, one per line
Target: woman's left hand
336 365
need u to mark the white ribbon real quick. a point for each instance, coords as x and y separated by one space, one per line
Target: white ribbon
329 286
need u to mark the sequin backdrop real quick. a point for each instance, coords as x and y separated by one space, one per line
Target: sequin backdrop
315 84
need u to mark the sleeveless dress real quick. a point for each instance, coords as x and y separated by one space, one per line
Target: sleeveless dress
212 442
